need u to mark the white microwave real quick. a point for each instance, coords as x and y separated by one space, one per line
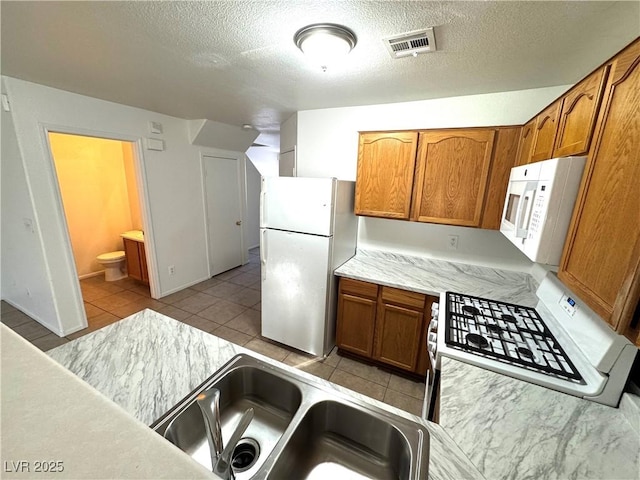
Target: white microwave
539 204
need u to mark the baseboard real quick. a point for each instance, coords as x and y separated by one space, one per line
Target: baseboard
89 275
177 289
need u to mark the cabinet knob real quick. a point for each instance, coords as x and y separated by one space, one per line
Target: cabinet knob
239 222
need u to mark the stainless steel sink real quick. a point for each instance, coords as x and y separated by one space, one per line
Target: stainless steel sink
274 400
302 428
335 440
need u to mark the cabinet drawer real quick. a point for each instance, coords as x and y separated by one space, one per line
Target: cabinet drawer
359 288
403 297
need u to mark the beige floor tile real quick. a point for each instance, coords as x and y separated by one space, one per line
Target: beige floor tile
247 322
408 387
358 384
14 318
318 369
202 286
7 307
141 289
49 341
135 307
126 283
223 290
222 312
268 349
31 330
95 323
244 279
228 274
368 372
110 287
333 358
91 310
201 323
403 402
257 306
91 293
310 364
246 297
116 300
173 312
196 303
177 296
232 335
255 286
298 359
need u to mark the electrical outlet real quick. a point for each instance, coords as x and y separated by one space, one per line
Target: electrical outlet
172 269
452 244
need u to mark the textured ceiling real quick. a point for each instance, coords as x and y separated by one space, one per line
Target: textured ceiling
235 61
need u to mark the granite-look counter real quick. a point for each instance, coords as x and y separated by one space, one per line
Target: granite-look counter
49 414
147 362
433 277
512 429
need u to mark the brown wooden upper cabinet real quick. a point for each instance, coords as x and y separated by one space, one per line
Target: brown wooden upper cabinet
452 175
544 134
601 259
386 162
526 142
578 117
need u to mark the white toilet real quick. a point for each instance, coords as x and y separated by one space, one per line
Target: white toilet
114 267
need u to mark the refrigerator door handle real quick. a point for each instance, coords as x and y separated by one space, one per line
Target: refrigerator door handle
263 206
263 253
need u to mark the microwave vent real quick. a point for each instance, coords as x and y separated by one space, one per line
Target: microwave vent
411 43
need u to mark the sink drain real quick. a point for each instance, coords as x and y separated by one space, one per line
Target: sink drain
245 454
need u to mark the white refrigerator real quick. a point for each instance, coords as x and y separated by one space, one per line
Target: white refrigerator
307 230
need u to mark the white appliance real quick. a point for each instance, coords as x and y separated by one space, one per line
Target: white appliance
307 230
560 344
539 205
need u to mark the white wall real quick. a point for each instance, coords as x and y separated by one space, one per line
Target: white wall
25 280
265 159
172 195
327 143
252 220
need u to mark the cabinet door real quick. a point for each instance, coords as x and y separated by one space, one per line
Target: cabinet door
356 316
578 116
453 170
545 132
386 162
526 143
398 327
504 157
133 258
601 260
144 273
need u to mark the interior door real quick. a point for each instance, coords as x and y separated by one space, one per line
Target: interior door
224 213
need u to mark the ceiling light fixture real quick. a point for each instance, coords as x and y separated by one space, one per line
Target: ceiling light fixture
325 43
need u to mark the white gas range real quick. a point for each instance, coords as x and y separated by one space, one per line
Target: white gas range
560 344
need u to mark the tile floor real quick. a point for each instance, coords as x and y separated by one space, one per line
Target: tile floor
228 306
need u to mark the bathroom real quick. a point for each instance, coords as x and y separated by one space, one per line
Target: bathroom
99 193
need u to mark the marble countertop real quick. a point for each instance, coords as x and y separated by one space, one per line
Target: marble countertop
513 430
147 362
432 277
49 414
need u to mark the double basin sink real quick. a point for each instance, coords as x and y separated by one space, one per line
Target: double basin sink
301 428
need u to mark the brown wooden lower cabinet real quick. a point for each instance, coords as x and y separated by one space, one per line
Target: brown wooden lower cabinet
136 260
384 324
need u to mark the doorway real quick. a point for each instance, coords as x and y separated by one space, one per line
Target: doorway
96 178
223 203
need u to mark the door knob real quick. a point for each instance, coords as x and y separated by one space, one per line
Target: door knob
239 222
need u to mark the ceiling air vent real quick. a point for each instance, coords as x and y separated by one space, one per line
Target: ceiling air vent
411 43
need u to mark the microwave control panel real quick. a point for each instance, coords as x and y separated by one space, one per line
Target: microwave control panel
537 212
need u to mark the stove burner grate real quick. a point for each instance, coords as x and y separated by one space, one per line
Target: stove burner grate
507 333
